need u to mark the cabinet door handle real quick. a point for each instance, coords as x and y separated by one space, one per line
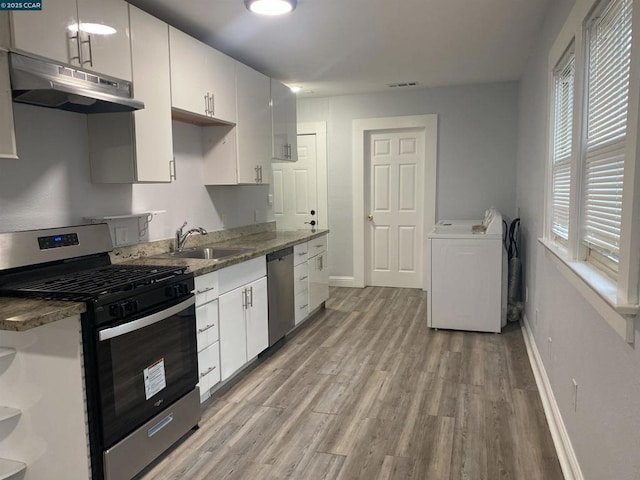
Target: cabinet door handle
251 296
260 172
172 170
303 278
206 104
75 37
213 104
204 374
304 306
302 253
244 299
87 41
207 327
205 290
257 175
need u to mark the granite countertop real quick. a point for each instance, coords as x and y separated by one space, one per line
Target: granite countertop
258 245
19 314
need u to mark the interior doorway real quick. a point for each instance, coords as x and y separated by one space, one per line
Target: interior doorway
301 187
394 173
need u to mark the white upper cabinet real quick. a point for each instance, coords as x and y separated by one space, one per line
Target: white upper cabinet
253 129
203 81
138 146
7 131
76 32
242 154
285 129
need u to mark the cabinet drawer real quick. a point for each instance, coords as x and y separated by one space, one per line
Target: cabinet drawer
300 253
302 306
300 278
241 274
317 245
206 288
207 324
209 367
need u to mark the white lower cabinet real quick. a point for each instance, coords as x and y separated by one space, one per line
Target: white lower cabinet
207 332
243 309
209 368
301 291
318 281
233 331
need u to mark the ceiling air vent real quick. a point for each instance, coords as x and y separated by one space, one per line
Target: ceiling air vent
402 84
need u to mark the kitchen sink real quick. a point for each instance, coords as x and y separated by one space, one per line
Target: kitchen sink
205 253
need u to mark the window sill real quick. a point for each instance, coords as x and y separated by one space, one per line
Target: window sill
597 289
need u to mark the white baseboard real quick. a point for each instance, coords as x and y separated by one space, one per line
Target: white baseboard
342 282
564 448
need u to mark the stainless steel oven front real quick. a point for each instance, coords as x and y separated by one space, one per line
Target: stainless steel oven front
147 374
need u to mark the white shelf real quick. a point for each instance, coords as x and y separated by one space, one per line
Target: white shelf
6 351
7 413
9 468
148 215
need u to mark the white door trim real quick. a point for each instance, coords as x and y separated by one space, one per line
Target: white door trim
360 128
319 129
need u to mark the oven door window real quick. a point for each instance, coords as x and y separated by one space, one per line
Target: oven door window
142 370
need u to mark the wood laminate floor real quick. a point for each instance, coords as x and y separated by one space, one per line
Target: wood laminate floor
366 391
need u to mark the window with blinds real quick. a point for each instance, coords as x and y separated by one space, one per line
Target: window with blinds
564 79
609 58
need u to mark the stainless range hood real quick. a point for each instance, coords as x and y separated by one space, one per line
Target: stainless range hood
46 84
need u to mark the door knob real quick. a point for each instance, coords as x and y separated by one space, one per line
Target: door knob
370 217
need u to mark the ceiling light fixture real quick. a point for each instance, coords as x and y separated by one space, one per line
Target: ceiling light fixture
271 7
295 89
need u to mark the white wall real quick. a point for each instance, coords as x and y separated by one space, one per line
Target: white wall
49 186
605 428
477 131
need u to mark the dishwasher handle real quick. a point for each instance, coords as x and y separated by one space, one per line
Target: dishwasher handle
280 254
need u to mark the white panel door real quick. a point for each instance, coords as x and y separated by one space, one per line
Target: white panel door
395 205
295 188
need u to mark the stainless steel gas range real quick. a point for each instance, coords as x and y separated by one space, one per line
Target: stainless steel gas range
139 339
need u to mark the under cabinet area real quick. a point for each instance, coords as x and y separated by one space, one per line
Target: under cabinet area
138 147
62 32
203 82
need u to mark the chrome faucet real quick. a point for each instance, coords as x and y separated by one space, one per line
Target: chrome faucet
181 238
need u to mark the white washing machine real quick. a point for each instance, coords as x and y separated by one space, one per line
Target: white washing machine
468 287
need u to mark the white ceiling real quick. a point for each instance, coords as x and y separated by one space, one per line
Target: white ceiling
333 47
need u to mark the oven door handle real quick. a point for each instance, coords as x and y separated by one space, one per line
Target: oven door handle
129 327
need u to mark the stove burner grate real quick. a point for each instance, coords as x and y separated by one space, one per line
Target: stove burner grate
95 282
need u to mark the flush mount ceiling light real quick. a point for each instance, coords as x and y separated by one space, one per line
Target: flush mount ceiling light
271 7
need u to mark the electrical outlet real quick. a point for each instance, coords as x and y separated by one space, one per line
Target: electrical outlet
122 236
575 394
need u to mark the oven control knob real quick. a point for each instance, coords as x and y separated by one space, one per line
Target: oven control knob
131 306
117 310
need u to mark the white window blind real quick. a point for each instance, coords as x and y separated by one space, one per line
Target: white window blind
564 79
609 59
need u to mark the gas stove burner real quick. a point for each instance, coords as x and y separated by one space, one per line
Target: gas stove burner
93 283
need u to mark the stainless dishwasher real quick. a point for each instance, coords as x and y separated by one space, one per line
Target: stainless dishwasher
281 294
